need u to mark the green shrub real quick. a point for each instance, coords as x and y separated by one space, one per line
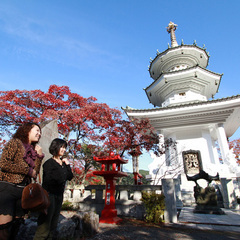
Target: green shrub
154 205
67 206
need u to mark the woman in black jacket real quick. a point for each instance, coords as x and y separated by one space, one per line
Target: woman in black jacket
56 171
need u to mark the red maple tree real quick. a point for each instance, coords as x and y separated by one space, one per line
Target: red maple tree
235 145
132 135
90 128
80 120
74 112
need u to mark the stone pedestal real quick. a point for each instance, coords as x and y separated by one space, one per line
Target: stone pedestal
208 210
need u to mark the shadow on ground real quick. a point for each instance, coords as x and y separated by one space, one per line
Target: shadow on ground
139 230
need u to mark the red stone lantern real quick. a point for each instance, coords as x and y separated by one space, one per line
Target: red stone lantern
111 169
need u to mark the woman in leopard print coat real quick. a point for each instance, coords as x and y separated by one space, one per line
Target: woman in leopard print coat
19 164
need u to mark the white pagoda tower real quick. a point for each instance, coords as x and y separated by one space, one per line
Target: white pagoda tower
184 110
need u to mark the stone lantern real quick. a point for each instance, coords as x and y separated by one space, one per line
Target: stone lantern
111 169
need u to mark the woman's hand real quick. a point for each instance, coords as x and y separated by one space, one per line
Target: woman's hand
38 149
65 160
34 174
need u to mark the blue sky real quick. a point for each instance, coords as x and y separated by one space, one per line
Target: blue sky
102 48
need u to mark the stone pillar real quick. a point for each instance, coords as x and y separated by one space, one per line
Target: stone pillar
76 195
49 132
178 193
87 194
137 195
222 141
67 195
170 213
124 195
229 196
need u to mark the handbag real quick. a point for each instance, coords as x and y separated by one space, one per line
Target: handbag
35 198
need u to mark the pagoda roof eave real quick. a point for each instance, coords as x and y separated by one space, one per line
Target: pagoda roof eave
182 71
202 103
202 114
174 48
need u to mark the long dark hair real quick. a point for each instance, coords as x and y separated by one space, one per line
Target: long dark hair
55 146
23 131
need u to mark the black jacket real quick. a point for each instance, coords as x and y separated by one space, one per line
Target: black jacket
55 176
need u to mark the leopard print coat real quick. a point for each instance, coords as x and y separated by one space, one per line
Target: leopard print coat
13 168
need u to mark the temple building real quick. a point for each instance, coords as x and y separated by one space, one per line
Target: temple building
185 111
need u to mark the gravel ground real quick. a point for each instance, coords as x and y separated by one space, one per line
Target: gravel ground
139 230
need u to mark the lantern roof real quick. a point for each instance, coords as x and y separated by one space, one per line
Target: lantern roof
110 173
110 159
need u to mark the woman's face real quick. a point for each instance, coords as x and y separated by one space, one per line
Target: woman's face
61 151
34 134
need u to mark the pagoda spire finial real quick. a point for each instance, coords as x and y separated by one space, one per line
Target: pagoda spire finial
171 29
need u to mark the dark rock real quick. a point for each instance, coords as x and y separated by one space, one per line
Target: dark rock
72 225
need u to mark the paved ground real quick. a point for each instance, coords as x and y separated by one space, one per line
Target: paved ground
190 227
230 221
